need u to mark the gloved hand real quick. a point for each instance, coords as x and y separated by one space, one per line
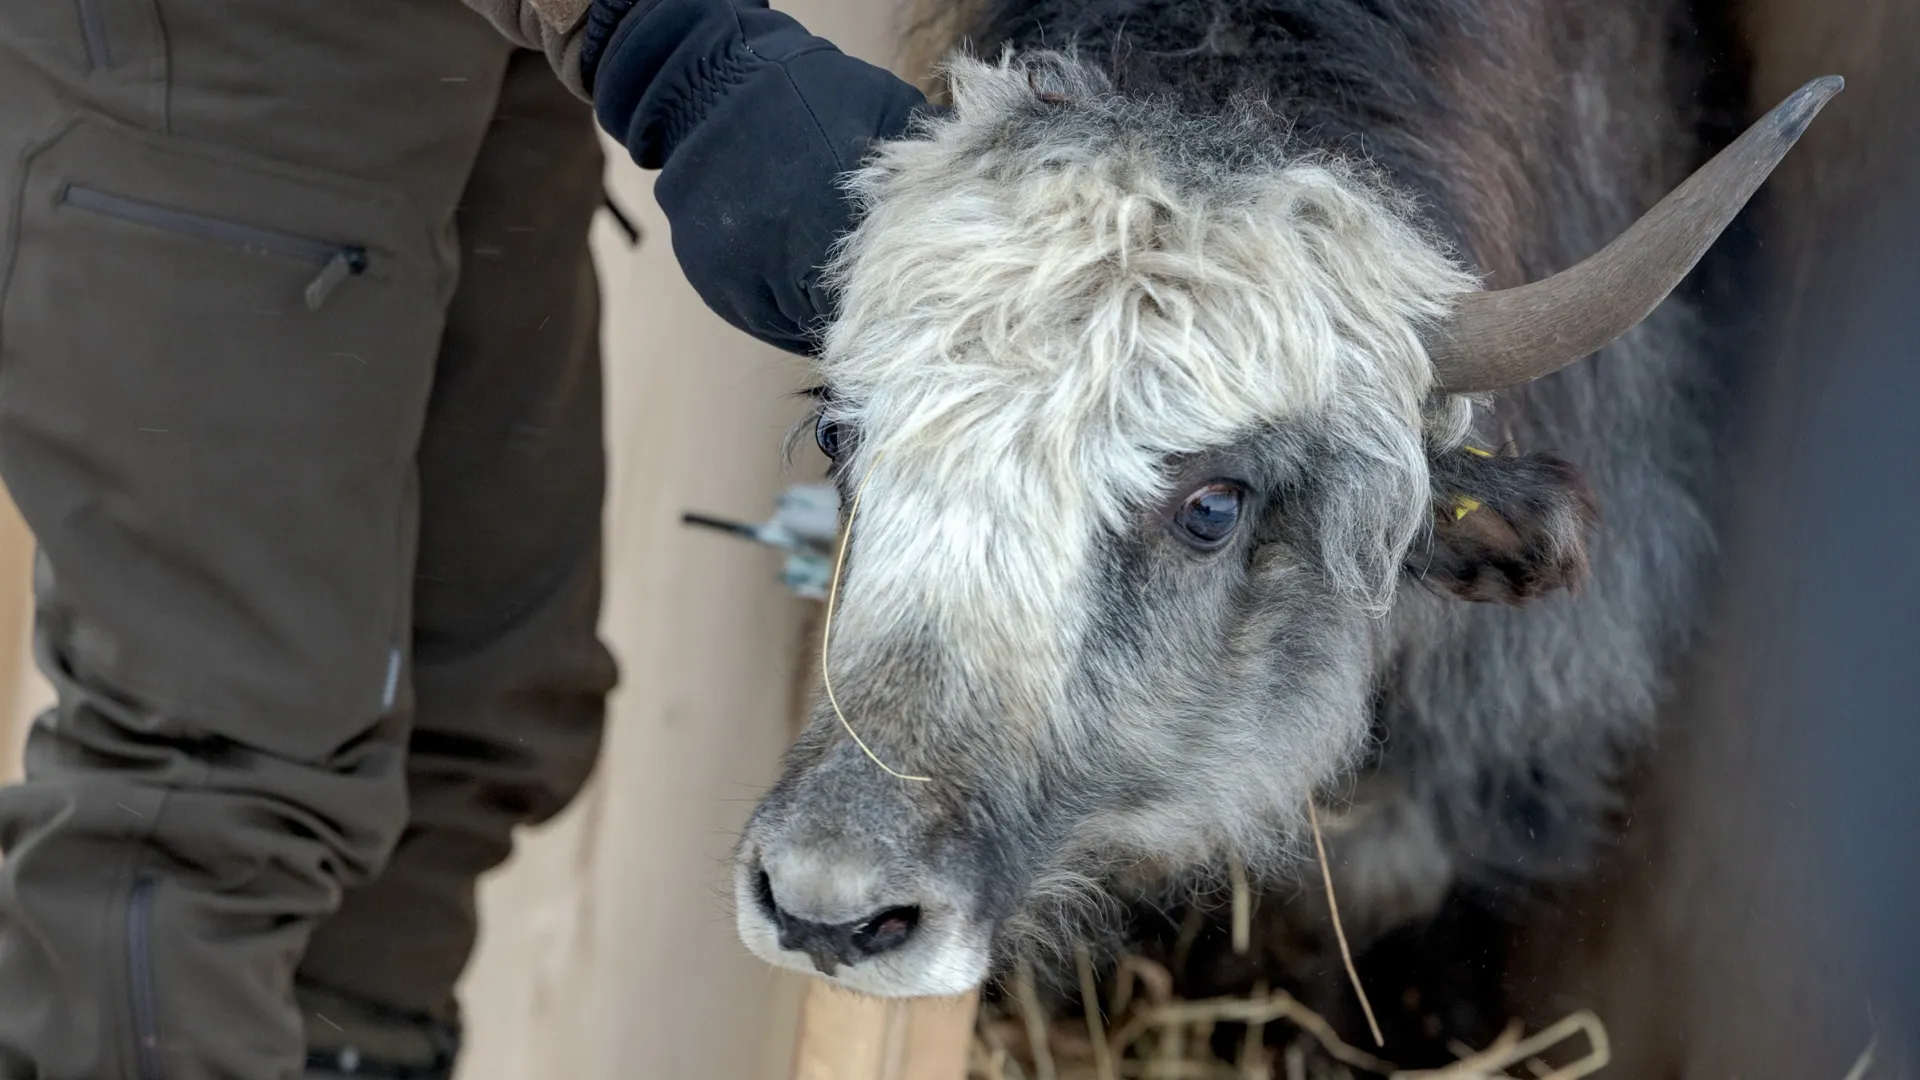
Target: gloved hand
751 120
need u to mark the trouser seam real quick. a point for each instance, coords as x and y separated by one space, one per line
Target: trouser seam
16 203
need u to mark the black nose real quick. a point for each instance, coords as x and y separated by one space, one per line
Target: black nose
833 944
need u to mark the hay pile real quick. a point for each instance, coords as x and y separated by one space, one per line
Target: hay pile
1149 1034
1139 1027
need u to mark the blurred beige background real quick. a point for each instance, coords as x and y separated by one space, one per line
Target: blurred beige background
608 949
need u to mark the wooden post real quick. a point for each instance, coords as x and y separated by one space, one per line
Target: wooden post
846 1036
21 690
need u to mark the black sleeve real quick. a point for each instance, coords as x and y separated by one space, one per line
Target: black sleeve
750 120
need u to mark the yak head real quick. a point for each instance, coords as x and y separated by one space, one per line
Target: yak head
1141 418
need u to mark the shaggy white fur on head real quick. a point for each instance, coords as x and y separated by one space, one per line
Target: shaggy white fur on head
1054 288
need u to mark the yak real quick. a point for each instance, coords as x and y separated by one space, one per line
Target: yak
1246 405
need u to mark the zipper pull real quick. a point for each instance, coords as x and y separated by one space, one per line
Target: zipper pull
347 262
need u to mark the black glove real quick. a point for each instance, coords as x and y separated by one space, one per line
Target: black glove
750 120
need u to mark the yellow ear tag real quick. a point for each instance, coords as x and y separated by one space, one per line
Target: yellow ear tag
1462 506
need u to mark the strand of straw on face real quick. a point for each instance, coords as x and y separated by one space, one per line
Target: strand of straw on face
1339 931
826 634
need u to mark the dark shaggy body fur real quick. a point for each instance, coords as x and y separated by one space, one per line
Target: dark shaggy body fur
1532 132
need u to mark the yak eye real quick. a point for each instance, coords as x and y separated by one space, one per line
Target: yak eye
1208 516
826 432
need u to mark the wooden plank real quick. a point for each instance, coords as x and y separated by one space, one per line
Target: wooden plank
939 1034
22 692
847 1036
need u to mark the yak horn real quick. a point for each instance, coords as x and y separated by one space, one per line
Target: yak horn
1512 336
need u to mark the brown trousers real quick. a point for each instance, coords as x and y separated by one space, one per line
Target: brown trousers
300 394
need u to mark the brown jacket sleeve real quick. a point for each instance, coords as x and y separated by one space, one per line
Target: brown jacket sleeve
549 26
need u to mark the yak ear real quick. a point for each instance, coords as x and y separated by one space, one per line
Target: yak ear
1507 529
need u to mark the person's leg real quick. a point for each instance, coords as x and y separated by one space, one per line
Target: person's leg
225 257
508 673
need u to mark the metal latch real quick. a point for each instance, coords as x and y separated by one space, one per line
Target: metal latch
805 525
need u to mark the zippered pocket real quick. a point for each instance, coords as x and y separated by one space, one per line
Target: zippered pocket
146 1028
159 372
336 261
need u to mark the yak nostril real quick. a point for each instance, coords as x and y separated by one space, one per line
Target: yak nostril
831 945
886 931
763 895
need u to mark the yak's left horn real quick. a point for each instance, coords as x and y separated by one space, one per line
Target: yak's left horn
1512 336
